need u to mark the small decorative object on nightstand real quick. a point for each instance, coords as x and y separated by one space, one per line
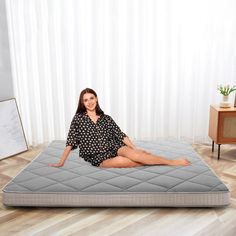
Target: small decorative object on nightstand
235 100
222 126
225 90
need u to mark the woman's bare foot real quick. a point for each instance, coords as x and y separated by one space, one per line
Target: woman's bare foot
179 162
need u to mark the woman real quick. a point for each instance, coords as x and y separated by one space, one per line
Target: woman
102 143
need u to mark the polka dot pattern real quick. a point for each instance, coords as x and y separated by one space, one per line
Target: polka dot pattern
96 141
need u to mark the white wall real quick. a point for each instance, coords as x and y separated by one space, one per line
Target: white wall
6 84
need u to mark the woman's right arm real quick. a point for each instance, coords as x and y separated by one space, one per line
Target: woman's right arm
72 141
64 157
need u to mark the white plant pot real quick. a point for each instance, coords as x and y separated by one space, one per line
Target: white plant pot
225 102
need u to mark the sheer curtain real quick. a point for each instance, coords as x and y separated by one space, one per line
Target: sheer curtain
154 64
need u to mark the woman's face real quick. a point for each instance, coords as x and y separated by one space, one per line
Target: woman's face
90 101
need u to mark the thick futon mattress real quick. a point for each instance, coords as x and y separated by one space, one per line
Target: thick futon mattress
78 183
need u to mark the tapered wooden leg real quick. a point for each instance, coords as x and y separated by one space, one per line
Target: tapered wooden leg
212 148
219 151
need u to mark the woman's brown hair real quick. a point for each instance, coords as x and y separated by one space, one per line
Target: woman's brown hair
81 108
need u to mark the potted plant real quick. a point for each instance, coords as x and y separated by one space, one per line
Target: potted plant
225 90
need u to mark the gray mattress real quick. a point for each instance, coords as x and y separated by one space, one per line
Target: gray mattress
78 183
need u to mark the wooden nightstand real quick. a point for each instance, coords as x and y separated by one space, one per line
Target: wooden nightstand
222 126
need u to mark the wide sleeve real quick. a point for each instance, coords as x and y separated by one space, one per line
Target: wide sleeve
116 130
73 134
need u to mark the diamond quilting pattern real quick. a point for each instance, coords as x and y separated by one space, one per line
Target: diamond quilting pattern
142 175
165 181
102 176
79 176
123 182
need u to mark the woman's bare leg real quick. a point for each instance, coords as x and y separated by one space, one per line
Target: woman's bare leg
119 162
147 158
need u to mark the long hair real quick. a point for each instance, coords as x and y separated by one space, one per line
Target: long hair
81 108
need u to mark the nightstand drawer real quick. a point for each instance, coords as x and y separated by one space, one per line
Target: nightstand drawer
227 127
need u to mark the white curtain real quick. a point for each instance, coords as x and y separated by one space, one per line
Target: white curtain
155 64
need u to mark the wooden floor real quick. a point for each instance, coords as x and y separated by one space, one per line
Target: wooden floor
123 221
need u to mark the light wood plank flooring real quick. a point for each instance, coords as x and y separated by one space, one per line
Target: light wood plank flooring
123 221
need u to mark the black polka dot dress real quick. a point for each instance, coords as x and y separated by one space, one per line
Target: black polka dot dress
96 141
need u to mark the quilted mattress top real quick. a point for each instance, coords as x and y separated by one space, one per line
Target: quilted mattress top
78 176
